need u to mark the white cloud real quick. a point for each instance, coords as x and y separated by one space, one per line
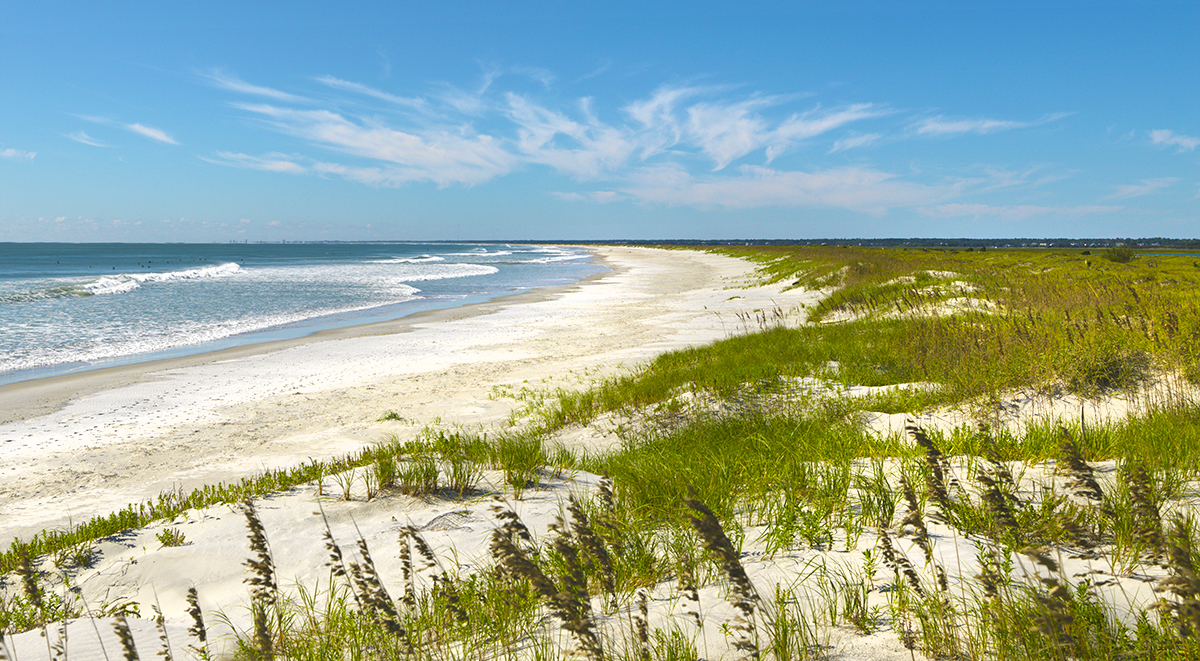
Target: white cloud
1183 142
727 131
140 129
442 155
1147 187
1012 212
235 84
152 133
17 154
942 126
653 150
859 189
660 128
854 141
600 196
80 136
814 123
359 88
594 148
270 163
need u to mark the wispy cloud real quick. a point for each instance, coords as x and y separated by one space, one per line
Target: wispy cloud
593 148
684 144
141 129
996 178
726 130
860 189
80 136
359 88
600 196
271 162
235 84
17 154
855 141
1183 142
1013 212
152 133
443 155
943 126
816 122
656 118
1147 187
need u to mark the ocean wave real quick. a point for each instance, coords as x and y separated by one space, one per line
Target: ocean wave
550 260
482 252
109 284
423 259
127 282
118 284
446 272
114 343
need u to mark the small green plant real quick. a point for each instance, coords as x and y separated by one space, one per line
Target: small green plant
385 471
170 537
464 474
419 475
79 555
345 481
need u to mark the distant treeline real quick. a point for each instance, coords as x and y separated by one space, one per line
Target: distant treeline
1155 243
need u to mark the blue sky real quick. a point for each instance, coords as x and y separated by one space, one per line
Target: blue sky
538 120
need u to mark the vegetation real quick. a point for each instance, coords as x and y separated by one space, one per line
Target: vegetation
776 460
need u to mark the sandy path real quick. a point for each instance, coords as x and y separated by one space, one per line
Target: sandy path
128 436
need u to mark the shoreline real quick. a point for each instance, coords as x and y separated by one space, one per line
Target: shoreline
92 443
50 393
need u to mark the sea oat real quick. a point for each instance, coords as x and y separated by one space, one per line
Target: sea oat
263 590
197 629
742 596
121 627
590 542
1183 581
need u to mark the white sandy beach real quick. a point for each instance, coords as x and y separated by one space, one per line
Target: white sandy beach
92 443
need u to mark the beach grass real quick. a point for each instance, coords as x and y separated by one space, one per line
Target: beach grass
794 475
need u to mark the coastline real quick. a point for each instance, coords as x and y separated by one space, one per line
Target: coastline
90 443
40 396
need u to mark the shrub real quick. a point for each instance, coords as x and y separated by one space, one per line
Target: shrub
171 537
1120 254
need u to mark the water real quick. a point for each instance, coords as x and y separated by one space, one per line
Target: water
70 307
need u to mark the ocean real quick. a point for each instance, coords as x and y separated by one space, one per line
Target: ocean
71 307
